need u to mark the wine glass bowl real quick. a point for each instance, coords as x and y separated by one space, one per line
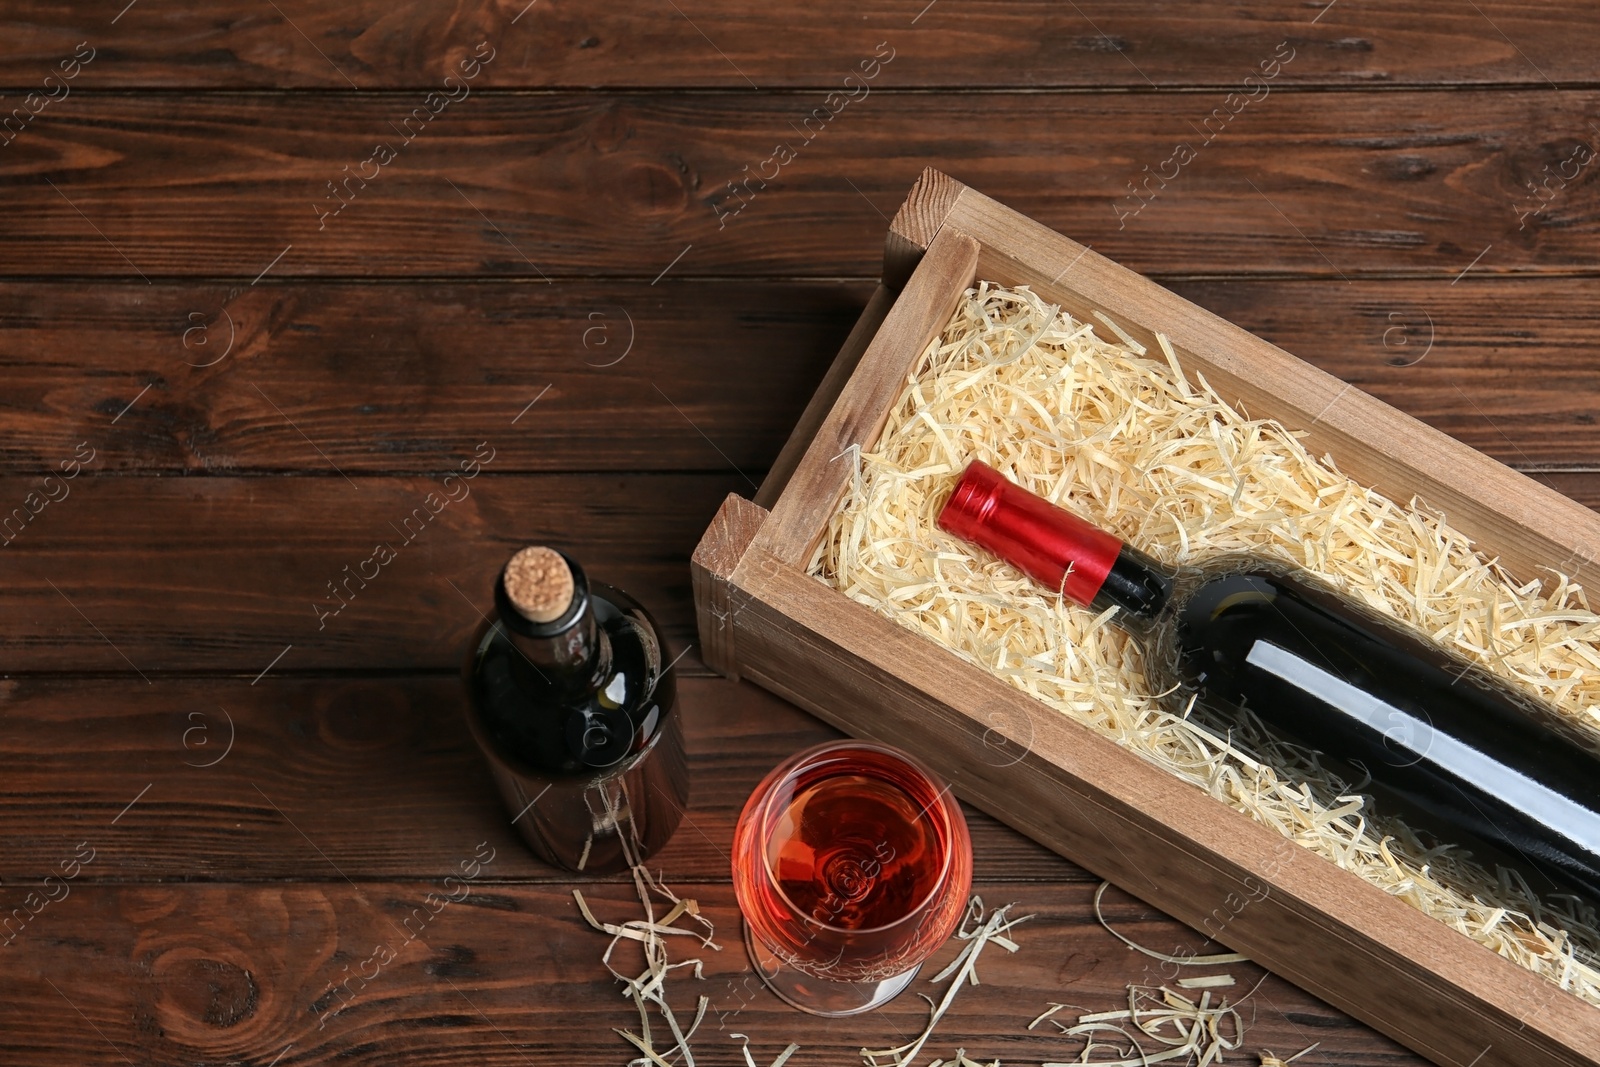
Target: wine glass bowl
851 865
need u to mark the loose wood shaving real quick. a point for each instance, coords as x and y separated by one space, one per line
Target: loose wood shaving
977 931
962 1060
750 1061
1158 458
1197 1030
648 988
1183 961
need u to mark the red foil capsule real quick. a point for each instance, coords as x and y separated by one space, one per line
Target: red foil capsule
1052 546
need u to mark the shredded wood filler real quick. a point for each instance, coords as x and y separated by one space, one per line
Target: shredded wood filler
750 1061
1125 439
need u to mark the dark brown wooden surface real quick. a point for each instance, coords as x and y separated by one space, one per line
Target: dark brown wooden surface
737 45
143 574
556 185
551 270
93 746
627 376
702 374
240 973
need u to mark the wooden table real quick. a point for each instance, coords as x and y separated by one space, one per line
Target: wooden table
257 342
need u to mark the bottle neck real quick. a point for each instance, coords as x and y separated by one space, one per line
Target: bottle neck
565 651
1136 583
570 654
1064 553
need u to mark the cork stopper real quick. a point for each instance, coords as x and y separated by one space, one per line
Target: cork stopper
539 584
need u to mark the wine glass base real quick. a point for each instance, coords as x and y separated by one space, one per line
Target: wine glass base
818 996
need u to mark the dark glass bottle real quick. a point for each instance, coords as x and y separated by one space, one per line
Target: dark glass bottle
1458 751
574 708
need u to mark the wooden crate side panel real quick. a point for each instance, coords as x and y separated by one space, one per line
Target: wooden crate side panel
800 515
1160 839
1531 527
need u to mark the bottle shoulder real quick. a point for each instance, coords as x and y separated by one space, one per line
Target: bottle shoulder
574 725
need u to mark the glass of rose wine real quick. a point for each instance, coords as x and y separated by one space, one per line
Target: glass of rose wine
851 865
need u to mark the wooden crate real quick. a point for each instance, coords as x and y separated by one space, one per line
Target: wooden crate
763 618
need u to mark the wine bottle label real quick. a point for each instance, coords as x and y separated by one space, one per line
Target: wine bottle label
1420 741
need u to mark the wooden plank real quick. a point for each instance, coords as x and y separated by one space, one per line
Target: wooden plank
396 378
1098 43
1131 822
822 399
510 975
916 224
1509 369
1345 183
855 419
226 574
372 776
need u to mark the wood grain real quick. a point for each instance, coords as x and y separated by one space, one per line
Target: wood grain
716 603
510 975
147 575
1505 365
224 574
617 184
1094 44
823 397
619 375
356 776
916 224
596 149
389 377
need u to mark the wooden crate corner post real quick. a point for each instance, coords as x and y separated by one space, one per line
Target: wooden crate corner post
916 224
716 599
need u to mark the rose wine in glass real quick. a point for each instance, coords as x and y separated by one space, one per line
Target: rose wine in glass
851 864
